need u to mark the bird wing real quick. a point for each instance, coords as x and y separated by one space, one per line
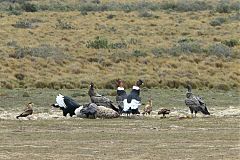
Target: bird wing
60 101
100 99
203 105
90 109
192 102
69 102
200 100
27 112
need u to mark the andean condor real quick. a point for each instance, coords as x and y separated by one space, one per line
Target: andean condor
66 104
195 103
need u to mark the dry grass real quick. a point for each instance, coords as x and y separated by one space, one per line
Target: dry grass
209 138
162 30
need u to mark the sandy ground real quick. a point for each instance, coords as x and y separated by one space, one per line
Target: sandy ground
57 114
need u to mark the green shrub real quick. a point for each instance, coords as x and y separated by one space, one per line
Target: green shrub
231 42
42 51
217 21
23 24
185 48
186 6
219 50
157 52
98 43
118 45
29 7
138 53
223 7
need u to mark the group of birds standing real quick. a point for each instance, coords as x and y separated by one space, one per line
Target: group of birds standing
102 107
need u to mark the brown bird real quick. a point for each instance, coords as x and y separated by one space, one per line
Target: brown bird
27 111
148 108
163 112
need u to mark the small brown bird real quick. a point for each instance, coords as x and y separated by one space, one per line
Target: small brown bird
163 112
27 111
148 107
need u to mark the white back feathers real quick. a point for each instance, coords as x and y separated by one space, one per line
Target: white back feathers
60 101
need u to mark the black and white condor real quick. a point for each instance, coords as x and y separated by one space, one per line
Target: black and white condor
66 104
133 101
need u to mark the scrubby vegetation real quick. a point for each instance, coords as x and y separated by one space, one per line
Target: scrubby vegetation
67 44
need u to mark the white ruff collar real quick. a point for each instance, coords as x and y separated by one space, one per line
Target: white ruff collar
136 87
120 88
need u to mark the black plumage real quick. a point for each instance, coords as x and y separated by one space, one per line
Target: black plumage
90 110
133 100
164 111
195 103
121 95
100 100
66 104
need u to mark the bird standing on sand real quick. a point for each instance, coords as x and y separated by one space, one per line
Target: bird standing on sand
27 111
133 100
164 111
148 108
195 103
121 94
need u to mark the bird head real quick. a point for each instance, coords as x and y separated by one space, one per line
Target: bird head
30 104
91 85
139 82
119 83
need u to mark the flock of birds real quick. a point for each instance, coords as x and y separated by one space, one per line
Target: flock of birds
103 107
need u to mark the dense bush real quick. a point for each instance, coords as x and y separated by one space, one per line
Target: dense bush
157 52
186 48
219 50
231 42
103 43
29 7
217 21
138 53
98 43
42 51
223 7
23 24
186 6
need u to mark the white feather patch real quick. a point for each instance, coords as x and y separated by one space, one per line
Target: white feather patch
60 101
77 111
136 87
120 88
134 104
